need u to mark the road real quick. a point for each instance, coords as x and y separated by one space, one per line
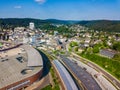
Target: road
65 77
111 78
82 75
100 79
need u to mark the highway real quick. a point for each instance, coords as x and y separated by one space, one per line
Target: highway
67 80
86 79
111 78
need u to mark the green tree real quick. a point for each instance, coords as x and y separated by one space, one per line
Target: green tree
70 49
76 49
105 43
96 49
116 46
72 44
117 57
89 49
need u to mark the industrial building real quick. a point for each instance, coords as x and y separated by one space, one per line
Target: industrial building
20 66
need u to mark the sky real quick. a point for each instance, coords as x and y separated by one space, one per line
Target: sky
61 9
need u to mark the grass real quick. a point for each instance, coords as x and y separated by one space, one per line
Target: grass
57 52
47 88
48 55
50 88
55 80
110 65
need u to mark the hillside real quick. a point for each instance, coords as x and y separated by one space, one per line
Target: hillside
55 21
13 22
104 25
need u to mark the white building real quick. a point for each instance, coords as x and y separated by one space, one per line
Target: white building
55 33
31 25
25 40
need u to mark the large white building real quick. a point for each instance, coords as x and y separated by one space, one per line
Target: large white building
31 25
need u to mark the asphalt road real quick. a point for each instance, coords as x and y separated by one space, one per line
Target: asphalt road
86 79
67 80
100 79
116 82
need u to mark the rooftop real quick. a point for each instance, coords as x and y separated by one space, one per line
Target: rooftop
107 52
34 58
14 61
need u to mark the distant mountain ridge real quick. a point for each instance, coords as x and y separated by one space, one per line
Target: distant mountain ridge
104 25
56 21
20 21
25 21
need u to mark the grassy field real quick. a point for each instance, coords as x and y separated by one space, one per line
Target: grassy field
109 65
47 88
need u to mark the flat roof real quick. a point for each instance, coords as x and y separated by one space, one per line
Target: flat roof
34 57
11 65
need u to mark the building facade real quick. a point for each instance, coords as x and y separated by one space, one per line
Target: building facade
31 25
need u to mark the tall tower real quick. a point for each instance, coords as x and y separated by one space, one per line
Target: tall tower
31 25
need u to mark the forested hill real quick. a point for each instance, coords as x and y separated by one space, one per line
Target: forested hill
104 25
13 22
55 21
8 22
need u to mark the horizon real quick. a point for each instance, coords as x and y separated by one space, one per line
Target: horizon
81 10
64 19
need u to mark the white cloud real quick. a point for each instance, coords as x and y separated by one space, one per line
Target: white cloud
40 1
18 7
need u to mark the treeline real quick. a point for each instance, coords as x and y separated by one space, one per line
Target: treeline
62 30
47 25
14 22
24 22
102 25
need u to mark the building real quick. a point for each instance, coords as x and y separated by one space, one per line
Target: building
31 25
107 53
55 33
20 66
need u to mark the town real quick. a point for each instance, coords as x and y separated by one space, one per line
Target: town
90 58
